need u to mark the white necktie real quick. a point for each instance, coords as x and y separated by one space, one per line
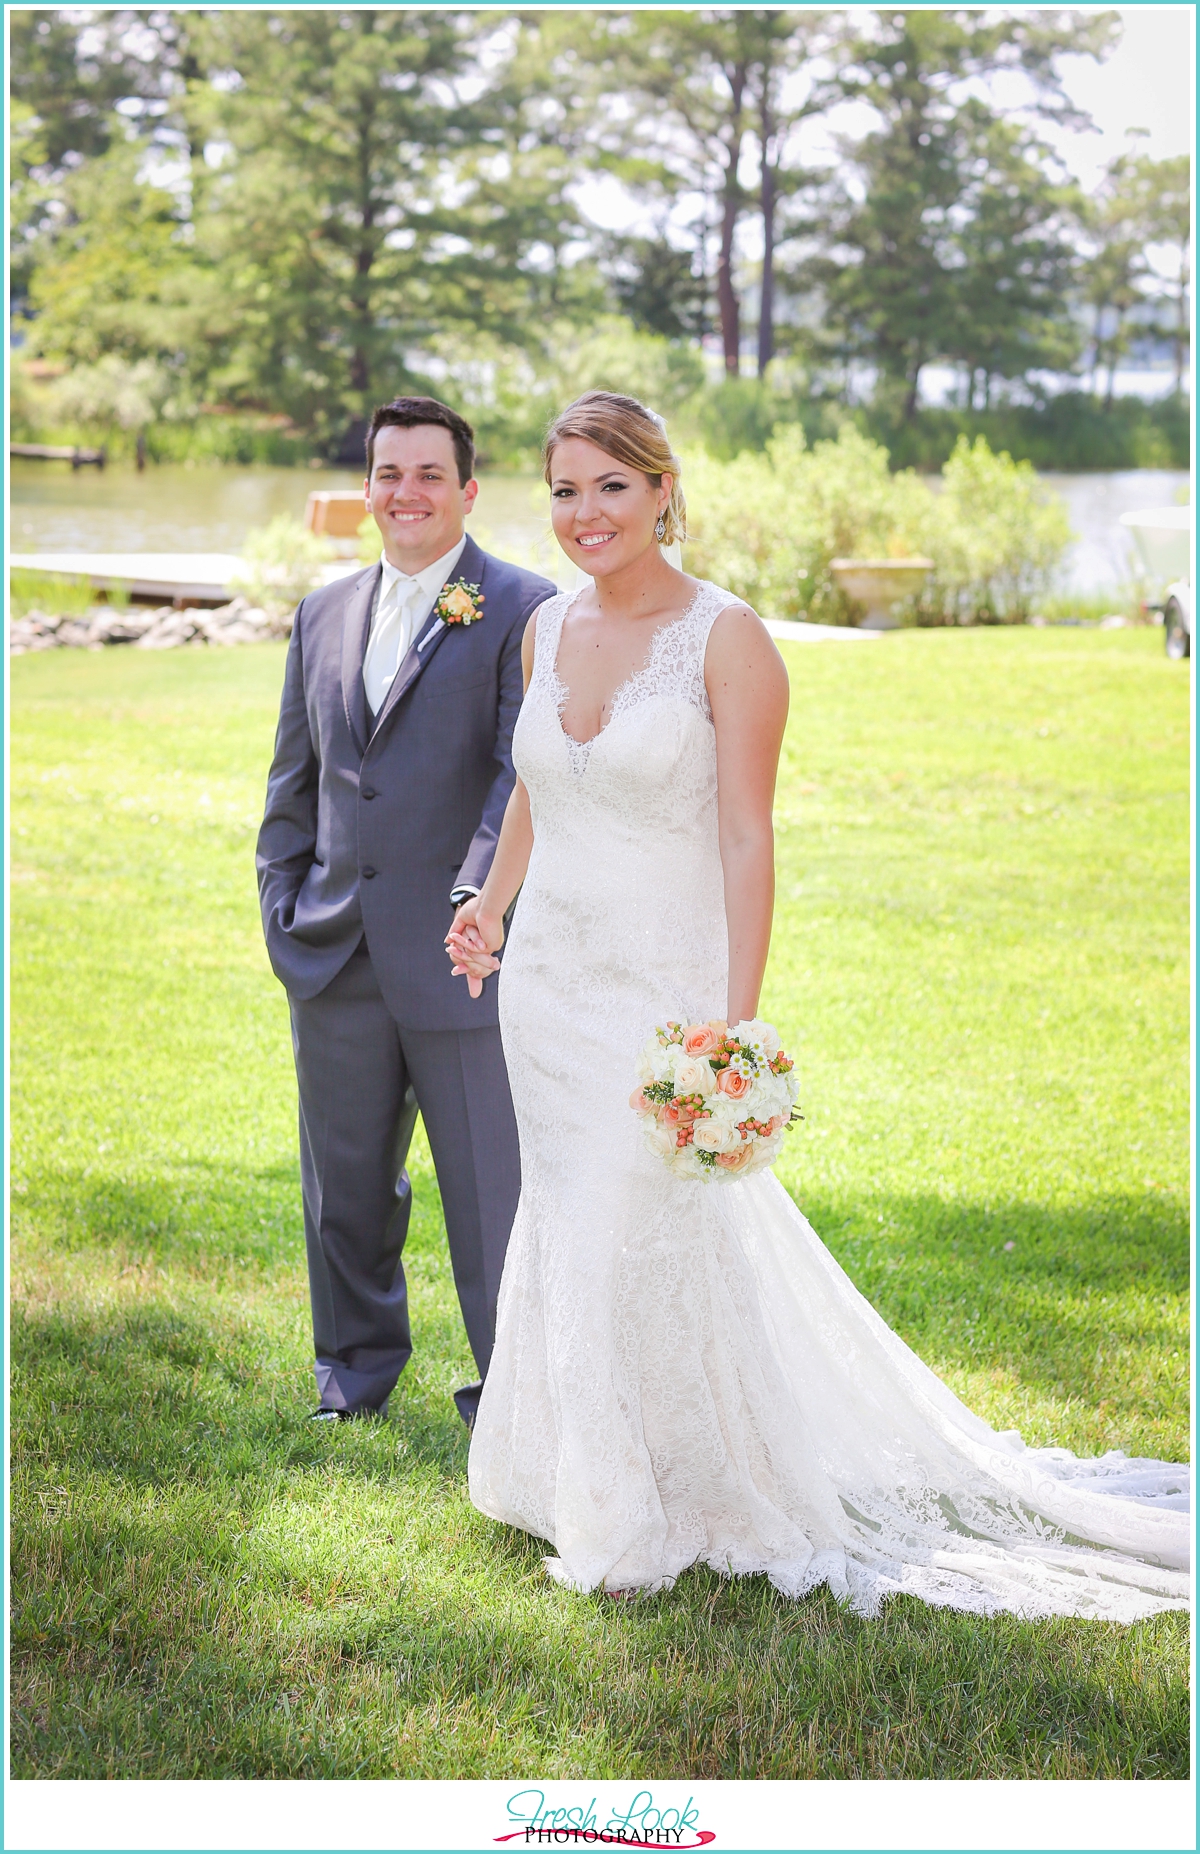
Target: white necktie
391 635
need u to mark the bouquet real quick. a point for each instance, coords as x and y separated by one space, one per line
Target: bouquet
715 1102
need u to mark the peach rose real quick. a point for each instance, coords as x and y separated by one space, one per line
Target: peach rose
459 604
699 1040
639 1103
734 1085
734 1161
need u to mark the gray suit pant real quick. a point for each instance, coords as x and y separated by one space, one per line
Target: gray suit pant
362 1077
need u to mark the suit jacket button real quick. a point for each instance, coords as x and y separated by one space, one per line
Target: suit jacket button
368 791
368 872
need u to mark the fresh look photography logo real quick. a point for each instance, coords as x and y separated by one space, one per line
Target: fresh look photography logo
641 1822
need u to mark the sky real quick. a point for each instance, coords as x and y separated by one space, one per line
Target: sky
1146 83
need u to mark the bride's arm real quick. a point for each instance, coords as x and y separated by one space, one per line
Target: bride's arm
748 692
477 931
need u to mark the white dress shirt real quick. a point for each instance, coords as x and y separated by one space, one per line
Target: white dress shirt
404 603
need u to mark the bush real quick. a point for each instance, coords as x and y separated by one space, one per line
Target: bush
1071 431
510 396
228 438
997 541
283 561
768 525
129 395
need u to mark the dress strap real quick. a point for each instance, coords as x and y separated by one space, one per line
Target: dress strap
551 613
676 662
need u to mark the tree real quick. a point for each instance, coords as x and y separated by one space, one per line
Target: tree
669 92
656 286
323 213
1140 203
367 204
891 281
1011 257
84 86
1171 225
783 44
117 276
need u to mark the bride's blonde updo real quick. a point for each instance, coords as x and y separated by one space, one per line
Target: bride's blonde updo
626 430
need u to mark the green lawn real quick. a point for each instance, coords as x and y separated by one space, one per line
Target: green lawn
981 962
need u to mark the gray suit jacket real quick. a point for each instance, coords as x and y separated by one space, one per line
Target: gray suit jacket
369 831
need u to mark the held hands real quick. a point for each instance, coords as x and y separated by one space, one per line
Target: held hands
473 939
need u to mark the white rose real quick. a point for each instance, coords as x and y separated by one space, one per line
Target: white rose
715 1136
694 1075
659 1139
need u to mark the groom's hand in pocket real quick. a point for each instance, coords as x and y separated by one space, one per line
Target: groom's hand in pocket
472 942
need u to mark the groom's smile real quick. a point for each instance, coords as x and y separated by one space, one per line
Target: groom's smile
414 494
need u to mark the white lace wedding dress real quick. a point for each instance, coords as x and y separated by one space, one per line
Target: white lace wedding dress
682 1372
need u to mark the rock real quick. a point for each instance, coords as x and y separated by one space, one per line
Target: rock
169 630
117 627
28 633
75 631
160 628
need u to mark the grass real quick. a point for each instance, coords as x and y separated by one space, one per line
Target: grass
981 959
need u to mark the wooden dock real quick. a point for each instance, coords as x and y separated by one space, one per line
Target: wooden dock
165 579
75 454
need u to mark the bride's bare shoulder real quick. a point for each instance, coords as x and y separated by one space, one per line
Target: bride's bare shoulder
736 630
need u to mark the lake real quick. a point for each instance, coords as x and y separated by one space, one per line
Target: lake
211 508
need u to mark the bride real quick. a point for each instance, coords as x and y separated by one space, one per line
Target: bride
682 1373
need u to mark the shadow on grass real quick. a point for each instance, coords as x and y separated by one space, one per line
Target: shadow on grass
1007 1285
206 1588
158 1394
198 1212
232 1638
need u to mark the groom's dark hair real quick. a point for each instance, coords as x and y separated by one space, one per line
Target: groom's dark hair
419 411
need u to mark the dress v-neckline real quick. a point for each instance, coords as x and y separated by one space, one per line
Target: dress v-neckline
564 693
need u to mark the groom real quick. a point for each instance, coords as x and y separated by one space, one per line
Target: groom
392 770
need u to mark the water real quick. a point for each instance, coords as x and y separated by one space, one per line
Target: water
211 508
1104 556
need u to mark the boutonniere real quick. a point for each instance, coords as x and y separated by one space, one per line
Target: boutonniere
460 604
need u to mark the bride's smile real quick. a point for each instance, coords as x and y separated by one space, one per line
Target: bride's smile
603 513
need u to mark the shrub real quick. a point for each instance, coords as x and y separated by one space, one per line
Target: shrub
768 524
510 395
997 541
129 395
282 562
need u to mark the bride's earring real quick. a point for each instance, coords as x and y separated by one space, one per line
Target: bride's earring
660 527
